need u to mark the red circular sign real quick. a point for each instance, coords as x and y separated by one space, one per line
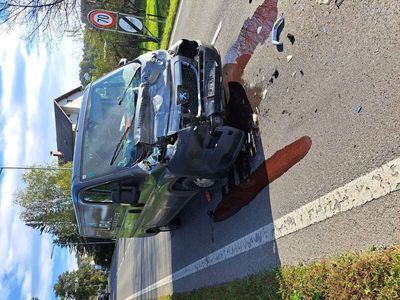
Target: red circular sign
102 19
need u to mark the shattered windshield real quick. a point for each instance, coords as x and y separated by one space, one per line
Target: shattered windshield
106 120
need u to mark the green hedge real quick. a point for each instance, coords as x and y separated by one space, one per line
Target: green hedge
374 274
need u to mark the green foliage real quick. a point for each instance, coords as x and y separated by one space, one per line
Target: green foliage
46 204
260 286
169 24
369 275
152 26
102 52
103 49
162 30
80 284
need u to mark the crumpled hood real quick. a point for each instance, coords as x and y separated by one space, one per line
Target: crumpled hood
154 99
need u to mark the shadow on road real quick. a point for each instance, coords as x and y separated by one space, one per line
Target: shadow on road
207 253
203 252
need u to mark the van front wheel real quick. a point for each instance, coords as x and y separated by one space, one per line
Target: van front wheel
173 225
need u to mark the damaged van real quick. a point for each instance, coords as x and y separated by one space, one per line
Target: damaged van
151 135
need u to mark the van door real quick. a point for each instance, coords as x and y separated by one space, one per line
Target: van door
101 217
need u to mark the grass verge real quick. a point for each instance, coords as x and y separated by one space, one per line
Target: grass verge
162 30
152 26
373 274
169 23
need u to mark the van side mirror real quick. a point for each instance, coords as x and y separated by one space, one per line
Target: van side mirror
125 194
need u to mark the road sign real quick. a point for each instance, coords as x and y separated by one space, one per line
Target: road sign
130 24
102 18
122 23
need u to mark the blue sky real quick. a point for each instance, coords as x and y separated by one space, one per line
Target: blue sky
30 78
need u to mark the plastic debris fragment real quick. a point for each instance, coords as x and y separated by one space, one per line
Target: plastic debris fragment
291 38
338 3
275 31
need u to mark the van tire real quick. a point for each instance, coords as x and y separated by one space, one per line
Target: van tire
173 225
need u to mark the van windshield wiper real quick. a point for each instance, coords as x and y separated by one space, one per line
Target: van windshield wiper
119 146
122 97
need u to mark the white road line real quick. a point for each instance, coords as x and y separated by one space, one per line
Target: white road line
216 33
171 38
360 191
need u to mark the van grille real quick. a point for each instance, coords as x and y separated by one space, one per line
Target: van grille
189 82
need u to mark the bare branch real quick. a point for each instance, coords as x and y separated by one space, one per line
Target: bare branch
8 5
41 18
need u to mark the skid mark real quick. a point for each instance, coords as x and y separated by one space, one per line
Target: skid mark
254 32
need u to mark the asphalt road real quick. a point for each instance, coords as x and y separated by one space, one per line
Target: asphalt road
346 101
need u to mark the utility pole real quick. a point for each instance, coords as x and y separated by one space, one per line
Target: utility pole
32 168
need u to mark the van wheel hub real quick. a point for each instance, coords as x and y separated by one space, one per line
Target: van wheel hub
203 183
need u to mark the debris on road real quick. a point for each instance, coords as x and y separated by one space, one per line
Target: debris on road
255 119
324 29
275 75
264 94
338 3
240 52
289 58
358 109
324 2
291 38
275 31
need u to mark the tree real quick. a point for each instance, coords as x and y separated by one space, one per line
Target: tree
47 206
80 284
102 51
54 17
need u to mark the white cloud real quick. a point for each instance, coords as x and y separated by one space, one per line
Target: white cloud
8 69
71 262
16 251
46 270
27 284
35 68
22 253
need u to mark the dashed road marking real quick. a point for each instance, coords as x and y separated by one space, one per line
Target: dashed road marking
358 192
216 33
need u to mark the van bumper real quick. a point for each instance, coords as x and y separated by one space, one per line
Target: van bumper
201 153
